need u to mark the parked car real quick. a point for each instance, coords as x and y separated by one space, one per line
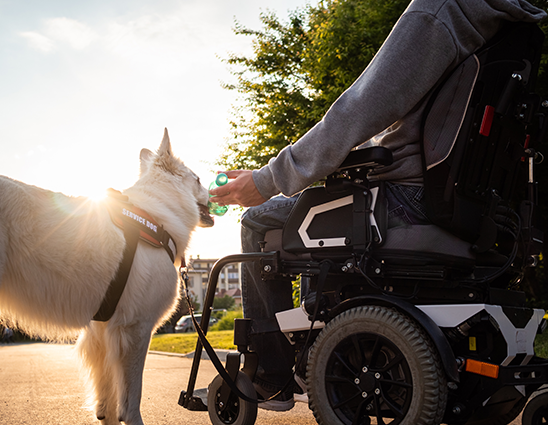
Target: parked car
184 324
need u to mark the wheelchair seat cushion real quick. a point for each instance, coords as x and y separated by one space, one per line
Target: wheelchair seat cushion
404 244
428 244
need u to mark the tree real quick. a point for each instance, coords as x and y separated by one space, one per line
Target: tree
299 68
226 303
297 71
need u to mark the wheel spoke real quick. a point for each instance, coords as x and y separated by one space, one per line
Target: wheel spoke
345 364
335 378
396 360
346 401
392 405
397 383
380 420
375 352
356 420
358 347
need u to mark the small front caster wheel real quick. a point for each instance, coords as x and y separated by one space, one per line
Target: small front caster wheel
536 411
236 411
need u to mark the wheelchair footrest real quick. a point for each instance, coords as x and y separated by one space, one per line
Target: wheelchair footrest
196 403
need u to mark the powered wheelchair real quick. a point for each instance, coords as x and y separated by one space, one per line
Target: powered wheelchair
416 324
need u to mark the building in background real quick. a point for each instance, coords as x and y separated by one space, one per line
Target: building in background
230 280
230 283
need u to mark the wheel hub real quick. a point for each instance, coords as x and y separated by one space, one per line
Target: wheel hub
367 382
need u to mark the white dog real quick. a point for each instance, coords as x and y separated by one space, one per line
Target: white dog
58 255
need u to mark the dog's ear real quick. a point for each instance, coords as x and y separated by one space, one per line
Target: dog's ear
165 158
145 156
165 146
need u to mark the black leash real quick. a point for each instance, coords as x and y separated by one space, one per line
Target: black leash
207 346
324 270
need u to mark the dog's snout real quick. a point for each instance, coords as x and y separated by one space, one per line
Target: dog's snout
205 219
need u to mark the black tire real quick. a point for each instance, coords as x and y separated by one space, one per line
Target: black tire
238 412
375 362
503 419
536 411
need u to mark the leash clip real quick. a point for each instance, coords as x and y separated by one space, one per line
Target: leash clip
183 271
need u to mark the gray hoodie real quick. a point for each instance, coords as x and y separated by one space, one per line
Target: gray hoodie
385 104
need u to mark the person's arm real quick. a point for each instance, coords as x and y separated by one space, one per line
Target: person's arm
414 57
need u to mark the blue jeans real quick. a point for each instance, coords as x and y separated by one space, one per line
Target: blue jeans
262 299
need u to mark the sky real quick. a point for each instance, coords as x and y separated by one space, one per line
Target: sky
84 86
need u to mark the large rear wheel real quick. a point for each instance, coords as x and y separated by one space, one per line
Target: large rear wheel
504 418
536 410
375 362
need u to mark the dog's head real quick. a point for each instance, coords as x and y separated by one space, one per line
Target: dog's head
179 176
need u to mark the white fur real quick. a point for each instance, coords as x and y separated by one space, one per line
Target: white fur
58 255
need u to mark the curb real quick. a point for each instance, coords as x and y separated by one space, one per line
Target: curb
220 353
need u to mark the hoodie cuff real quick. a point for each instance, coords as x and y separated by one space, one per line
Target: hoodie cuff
264 181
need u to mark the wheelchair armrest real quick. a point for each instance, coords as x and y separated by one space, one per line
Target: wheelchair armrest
368 158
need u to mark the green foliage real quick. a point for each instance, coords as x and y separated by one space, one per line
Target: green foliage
344 37
271 84
541 345
296 291
226 303
298 69
227 322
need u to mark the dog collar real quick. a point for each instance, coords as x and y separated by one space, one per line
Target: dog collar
122 212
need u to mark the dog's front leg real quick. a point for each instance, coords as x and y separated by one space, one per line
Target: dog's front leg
132 364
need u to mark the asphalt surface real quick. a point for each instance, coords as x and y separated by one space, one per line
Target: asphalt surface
40 384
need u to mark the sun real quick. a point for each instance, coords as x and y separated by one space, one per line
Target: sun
96 195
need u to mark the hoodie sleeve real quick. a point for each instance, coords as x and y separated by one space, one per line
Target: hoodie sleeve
417 53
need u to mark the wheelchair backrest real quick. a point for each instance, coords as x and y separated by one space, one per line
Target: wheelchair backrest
475 132
477 126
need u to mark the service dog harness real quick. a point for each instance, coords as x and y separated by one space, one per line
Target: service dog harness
136 224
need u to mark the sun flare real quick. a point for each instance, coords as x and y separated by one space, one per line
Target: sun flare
96 195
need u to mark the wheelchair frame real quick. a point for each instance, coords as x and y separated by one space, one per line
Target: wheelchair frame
478 333
433 318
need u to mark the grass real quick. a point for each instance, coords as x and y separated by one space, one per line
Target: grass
541 345
186 343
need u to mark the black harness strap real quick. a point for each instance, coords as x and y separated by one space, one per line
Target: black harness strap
136 224
118 284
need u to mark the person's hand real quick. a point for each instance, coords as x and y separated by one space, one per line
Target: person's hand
240 190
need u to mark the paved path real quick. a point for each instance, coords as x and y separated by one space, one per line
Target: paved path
40 385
